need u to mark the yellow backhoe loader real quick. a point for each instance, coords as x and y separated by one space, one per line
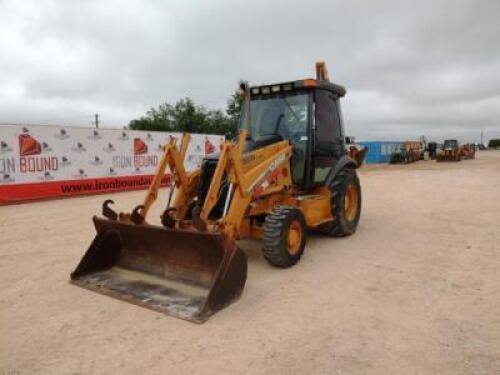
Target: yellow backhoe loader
287 172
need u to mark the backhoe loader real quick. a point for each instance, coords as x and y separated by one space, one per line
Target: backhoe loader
452 151
287 172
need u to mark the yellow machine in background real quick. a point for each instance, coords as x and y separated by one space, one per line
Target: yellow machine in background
285 173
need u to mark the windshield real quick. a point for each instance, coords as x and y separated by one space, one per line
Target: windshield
285 115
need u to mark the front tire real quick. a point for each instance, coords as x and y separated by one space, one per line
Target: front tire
284 236
346 205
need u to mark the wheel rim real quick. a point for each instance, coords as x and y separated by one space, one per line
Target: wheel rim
351 202
294 237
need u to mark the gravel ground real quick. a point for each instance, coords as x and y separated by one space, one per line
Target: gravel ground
415 291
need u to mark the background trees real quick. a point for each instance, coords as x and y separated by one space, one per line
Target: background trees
187 116
494 143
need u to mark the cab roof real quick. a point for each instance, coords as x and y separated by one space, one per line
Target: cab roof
275 88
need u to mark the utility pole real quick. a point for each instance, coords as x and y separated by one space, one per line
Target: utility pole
482 137
96 120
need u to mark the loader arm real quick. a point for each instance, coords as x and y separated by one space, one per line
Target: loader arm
174 159
246 180
229 151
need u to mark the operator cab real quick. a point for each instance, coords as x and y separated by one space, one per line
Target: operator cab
306 113
450 144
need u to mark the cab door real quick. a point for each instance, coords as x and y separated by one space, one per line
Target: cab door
328 136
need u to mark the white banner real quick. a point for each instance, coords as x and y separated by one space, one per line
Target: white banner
37 154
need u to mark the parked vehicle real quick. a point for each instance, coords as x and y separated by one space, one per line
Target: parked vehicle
408 152
451 151
273 183
432 148
468 151
355 150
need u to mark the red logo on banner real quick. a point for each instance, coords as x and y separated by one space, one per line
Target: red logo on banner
209 147
140 147
140 159
29 145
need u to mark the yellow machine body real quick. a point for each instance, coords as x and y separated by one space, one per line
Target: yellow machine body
191 266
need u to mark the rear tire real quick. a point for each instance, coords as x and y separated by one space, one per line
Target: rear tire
346 205
284 236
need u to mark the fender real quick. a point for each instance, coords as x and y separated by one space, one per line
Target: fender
343 162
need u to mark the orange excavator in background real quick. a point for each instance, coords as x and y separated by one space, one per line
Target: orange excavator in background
468 151
287 172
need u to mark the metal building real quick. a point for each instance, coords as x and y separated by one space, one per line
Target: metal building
380 151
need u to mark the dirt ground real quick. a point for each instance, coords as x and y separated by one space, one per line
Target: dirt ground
415 291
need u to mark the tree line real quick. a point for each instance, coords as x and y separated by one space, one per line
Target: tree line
494 143
186 116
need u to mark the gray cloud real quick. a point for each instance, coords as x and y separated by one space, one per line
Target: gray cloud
410 68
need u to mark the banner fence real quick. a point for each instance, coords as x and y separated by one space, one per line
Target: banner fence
38 162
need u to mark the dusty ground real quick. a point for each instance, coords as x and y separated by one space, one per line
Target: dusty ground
415 291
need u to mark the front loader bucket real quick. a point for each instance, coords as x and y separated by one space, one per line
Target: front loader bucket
186 274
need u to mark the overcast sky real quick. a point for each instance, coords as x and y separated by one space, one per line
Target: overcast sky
410 67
